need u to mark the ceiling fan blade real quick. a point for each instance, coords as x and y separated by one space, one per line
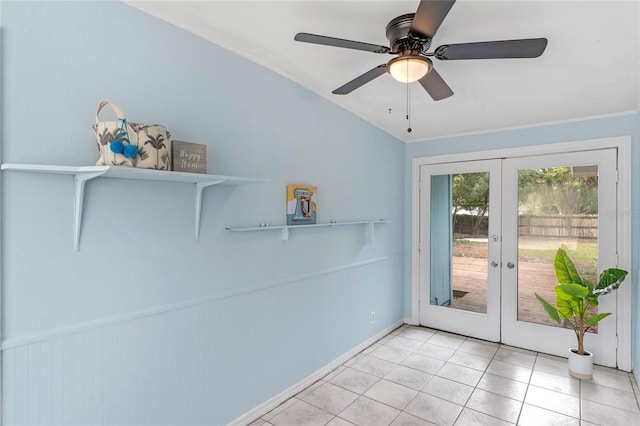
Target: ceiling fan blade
361 80
338 42
524 48
435 85
429 16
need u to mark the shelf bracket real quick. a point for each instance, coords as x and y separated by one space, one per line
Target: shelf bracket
369 233
285 234
199 188
78 201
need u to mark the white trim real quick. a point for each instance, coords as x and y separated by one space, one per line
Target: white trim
624 294
272 403
409 321
526 126
415 245
524 151
104 322
623 144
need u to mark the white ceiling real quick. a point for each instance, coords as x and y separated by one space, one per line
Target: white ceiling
590 67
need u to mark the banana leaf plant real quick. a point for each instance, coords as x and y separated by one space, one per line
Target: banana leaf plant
575 296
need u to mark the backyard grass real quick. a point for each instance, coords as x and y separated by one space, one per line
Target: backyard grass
584 253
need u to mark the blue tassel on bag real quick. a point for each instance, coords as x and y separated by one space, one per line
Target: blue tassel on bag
118 147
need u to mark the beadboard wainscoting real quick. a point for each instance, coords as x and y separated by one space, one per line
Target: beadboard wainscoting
168 366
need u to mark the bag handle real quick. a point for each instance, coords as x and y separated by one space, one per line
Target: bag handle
113 106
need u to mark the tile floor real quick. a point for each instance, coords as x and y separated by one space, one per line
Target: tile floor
419 376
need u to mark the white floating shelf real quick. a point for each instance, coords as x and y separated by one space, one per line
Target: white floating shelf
82 174
369 236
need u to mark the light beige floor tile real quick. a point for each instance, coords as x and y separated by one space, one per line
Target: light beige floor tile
448 390
279 409
510 371
371 348
609 396
458 373
435 351
404 343
554 401
374 366
334 373
385 339
564 384
337 421
433 391
470 417
423 363
301 413
367 412
434 410
418 333
470 360
310 389
354 359
392 394
400 329
409 377
480 348
354 380
495 405
448 340
536 416
555 365
526 360
391 354
503 386
405 419
605 415
330 398
622 382
610 370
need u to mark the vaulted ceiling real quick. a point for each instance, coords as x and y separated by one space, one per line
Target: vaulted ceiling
591 66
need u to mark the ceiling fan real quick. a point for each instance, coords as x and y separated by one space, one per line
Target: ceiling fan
410 37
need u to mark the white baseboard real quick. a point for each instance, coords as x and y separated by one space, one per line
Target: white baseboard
272 403
410 321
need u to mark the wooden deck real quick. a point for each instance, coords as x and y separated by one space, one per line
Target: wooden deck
470 276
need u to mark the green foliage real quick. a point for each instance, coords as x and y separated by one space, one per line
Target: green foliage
575 295
556 190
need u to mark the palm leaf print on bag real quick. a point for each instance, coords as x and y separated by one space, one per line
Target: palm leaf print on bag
157 142
142 155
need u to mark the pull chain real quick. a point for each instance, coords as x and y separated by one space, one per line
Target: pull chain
408 101
408 109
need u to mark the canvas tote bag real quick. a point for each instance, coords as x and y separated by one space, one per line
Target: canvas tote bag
122 143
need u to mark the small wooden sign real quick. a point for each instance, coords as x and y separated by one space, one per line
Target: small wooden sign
188 157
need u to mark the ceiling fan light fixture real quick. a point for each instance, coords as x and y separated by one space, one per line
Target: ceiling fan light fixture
409 68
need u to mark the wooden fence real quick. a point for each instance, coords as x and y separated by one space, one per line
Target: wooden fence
573 226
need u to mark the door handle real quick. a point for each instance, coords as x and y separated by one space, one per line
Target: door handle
494 264
510 265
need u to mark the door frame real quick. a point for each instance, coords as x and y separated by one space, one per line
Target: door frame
623 294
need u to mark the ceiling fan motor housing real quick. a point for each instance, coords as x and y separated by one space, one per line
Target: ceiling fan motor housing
399 39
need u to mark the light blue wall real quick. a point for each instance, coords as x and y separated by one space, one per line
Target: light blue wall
623 125
145 325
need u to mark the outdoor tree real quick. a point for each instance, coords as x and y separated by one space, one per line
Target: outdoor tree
557 191
471 193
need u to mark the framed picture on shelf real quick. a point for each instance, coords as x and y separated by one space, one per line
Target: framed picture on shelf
302 204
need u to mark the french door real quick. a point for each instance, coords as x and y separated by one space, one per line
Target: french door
489 231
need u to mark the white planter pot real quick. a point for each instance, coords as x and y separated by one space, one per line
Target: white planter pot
580 366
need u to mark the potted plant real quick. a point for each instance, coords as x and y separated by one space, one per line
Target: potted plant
576 298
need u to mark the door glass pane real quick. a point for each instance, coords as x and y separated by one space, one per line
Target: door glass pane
459 246
557 208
